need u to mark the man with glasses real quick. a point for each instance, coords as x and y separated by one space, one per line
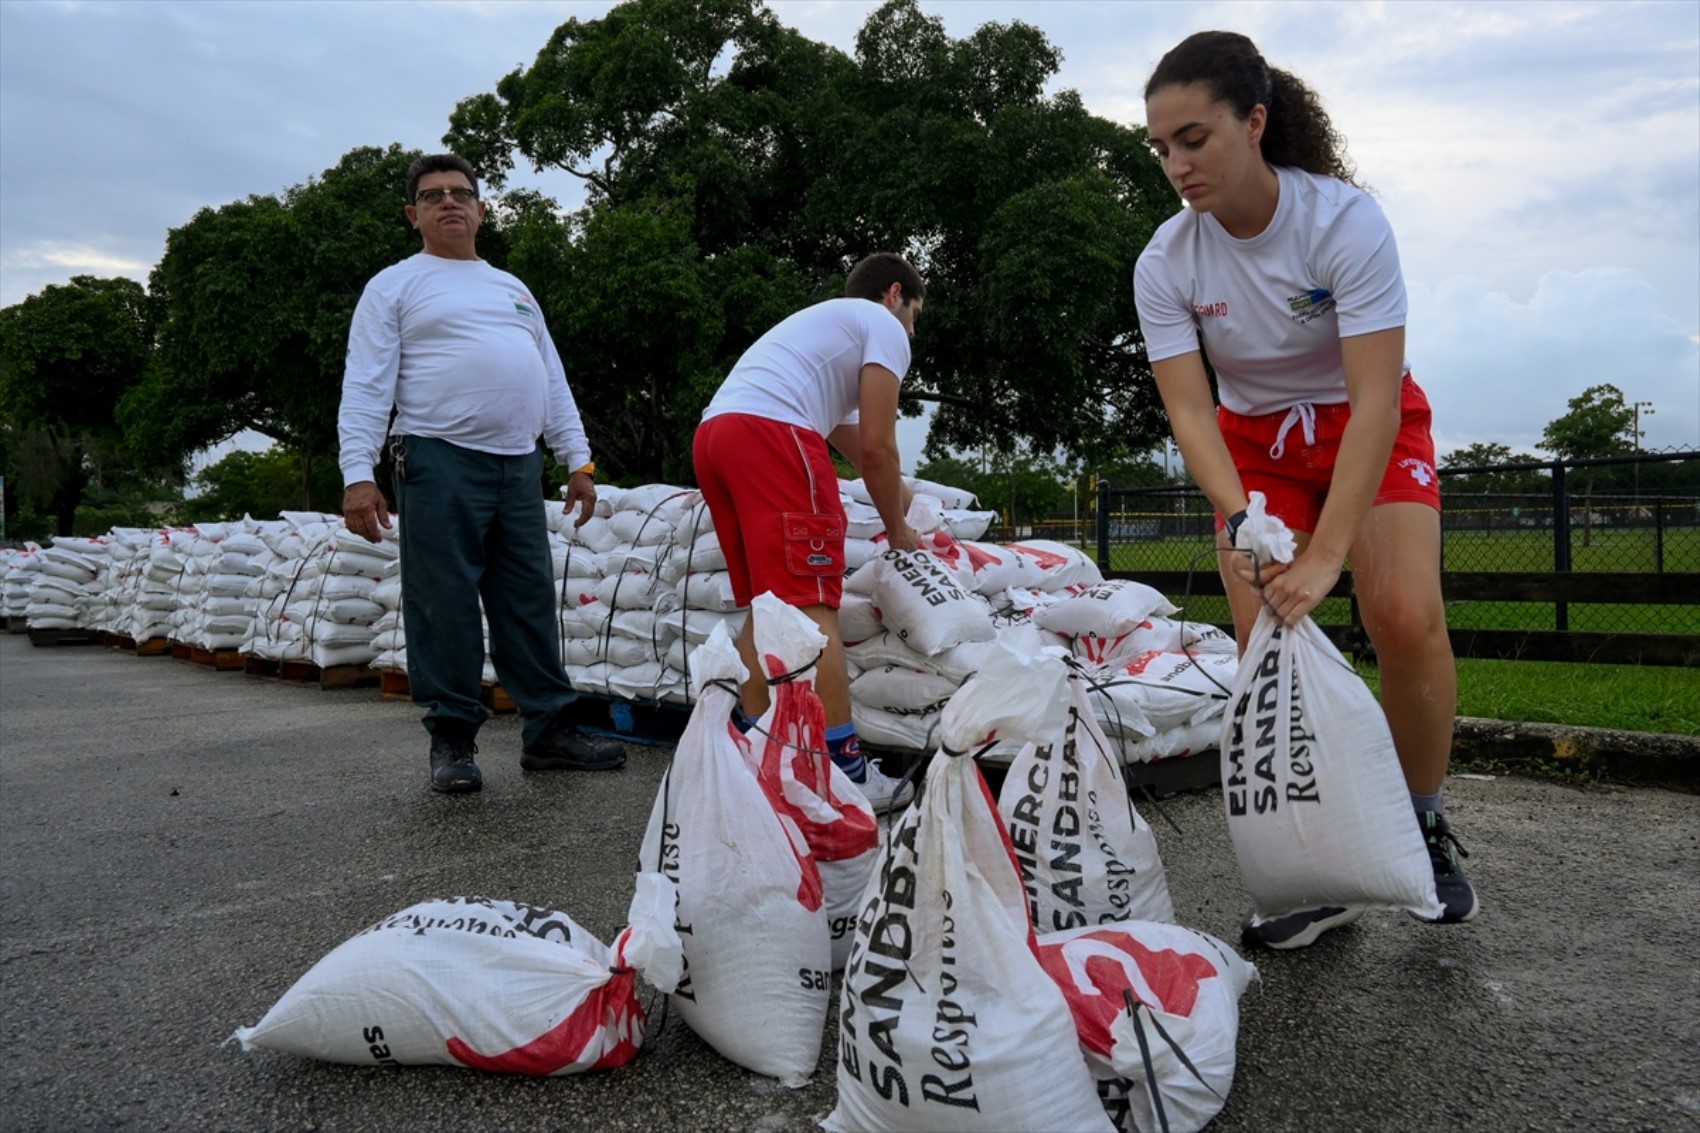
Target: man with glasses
459 351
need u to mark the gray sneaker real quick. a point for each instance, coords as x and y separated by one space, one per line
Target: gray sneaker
1457 897
1296 930
452 768
883 792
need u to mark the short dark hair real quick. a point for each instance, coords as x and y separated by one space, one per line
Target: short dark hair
873 277
437 163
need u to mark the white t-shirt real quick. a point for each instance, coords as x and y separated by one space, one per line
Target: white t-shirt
460 350
1272 309
807 370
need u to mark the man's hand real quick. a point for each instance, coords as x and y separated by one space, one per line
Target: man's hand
581 490
364 510
904 538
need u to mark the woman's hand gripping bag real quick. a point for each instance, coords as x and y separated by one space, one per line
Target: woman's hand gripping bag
798 774
1317 805
1086 856
491 985
1157 1007
756 983
946 1020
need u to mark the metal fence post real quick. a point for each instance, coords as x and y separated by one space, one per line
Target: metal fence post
1103 524
1659 534
1560 538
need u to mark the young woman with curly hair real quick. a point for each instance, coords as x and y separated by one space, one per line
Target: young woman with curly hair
1284 273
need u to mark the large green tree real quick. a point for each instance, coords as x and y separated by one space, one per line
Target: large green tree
67 355
1596 425
1492 455
735 170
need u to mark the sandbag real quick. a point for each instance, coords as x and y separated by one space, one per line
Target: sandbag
1317 805
921 602
798 774
946 1019
1157 1008
1106 609
492 985
1086 855
758 962
1165 690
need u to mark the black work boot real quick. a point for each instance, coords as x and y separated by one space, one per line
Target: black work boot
565 748
452 769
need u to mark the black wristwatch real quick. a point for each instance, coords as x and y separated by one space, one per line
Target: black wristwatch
1232 527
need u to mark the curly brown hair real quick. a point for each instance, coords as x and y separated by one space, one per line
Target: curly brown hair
1299 133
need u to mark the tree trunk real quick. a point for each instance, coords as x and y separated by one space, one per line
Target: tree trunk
69 493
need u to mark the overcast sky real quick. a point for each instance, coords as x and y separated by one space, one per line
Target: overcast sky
1540 162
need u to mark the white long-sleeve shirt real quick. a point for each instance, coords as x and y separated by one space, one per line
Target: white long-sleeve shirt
460 350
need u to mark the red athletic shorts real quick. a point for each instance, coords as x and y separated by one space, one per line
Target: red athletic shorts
1275 457
773 492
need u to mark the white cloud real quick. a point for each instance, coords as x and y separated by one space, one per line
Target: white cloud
1499 369
77 259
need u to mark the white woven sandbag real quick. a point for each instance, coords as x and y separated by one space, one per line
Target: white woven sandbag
900 689
920 601
710 590
328 656
642 682
995 569
492 985
860 580
589 678
596 535
885 648
862 521
637 529
1167 1061
798 774
1317 805
912 729
1106 609
946 1019
757 957
947 496
1165 689
858 620
1170 743
1059 564
627 590
859 551
1086 855
965 524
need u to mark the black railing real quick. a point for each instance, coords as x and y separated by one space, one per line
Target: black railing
1510 546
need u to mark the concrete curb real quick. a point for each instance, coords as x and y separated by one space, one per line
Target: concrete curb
1642 759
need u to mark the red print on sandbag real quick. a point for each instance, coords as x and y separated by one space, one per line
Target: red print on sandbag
1169 977
611 1011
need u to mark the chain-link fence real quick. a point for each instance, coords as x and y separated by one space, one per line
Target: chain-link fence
1616 516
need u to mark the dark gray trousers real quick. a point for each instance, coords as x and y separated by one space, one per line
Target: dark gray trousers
473 525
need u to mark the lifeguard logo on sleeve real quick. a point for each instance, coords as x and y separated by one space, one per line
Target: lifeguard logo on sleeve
1308 306
1210 310
524 304
1421 470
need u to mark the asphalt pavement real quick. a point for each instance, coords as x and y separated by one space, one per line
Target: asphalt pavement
180 845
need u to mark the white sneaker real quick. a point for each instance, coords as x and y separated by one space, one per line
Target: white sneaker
882 791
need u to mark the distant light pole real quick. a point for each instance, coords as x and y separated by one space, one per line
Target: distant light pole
1637 408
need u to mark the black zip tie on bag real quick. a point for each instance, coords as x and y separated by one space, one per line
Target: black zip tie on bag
1133 1006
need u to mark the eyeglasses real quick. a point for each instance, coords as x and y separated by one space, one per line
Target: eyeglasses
435 196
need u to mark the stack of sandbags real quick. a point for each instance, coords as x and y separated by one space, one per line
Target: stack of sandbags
66 591
21 565
149 594
220 560
127 551
320 585
389 635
